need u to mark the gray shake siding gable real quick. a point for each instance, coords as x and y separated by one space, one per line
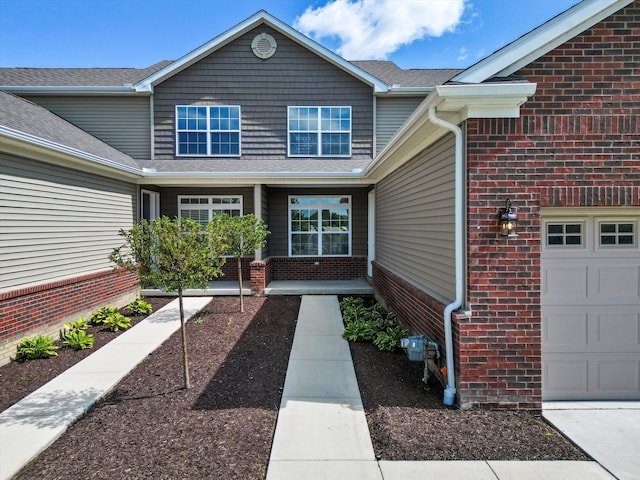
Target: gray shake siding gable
233 75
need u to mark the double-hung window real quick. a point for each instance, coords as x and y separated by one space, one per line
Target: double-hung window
212 131
319 226
202 208
319 131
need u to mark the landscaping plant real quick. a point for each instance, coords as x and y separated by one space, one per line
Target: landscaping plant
371 323
173 254
243 235
117 322
98 317
35 348
78 339
139 307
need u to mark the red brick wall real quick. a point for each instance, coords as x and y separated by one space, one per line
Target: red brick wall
577 143
318 268
34 308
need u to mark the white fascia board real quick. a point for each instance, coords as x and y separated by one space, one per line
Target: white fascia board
541 40
251 178
17 137
487 100
68 90
261 17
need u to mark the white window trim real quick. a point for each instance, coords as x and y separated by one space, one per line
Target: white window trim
319 205
319 132
208 131
210 206
615 220
557 221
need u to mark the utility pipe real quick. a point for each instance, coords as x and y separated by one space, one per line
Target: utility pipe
450 390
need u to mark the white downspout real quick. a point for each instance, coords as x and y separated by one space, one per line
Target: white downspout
450 390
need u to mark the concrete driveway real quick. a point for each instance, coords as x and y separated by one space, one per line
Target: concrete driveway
608 431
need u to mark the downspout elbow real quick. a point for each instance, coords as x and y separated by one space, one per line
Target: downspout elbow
450 390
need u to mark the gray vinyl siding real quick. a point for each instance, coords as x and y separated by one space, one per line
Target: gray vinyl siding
279 217
124 122
263 89
169 197
415 220
56 222
391 113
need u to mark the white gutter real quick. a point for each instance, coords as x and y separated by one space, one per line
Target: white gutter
450 390
126 89
58 147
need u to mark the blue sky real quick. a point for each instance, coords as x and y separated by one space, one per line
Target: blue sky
130 33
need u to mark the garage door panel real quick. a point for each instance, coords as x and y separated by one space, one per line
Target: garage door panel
564 375
617 374
563 327
565 282
616 281
619 330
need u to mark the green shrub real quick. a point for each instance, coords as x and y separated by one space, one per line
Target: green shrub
116 322
98 317
139 307
36 347
389 339
78 340
360 330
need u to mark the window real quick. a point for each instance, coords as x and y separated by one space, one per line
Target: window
319 131
319 226
564 234
203 208
208 131
614 233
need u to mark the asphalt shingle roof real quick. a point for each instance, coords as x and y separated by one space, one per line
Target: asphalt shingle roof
76 77
391 74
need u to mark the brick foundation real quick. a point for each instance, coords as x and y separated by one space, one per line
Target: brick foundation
42 309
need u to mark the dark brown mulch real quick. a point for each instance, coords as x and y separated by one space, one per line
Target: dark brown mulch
151 427
26 377
408 421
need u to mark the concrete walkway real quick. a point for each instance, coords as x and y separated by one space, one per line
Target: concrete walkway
322 433
31 425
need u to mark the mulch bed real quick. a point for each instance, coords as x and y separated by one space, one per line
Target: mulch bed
408 420
222 427
26 377
151 427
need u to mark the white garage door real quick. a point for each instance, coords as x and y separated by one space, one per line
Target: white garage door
591 304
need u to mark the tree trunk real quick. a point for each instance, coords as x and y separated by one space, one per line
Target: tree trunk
185 357
240 283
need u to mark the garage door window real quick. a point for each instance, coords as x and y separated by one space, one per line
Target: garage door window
612 234
564 234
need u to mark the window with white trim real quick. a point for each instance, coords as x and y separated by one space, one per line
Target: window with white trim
202 208
319 226
564 234
211 131
616 233
319 131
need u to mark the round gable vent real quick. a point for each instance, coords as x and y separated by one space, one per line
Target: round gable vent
264 46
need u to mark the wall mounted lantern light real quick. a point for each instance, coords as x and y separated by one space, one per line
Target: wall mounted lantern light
508 221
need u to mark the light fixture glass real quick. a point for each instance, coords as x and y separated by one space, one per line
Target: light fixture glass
508 221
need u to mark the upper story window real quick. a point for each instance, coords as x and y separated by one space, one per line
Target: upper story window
212 131
319 131
202 208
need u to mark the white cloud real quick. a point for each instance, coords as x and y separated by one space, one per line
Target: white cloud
463 54
372 29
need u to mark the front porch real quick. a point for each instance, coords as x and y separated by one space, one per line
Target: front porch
357 286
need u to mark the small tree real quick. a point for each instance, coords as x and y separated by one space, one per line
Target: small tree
173 255
244 235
